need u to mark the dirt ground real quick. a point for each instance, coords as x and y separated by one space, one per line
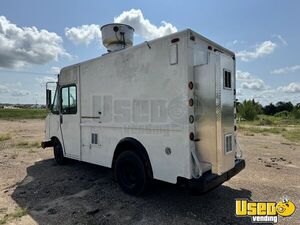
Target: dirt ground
34 190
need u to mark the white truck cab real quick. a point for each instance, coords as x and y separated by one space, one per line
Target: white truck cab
163 109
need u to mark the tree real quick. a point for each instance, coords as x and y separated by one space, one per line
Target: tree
248 110
296 111
284 106
258 107
270 109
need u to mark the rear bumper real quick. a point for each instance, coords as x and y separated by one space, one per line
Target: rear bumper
46 144
209 181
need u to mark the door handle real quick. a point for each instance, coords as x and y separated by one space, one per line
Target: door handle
61 119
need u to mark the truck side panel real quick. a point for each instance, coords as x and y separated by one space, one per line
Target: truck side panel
140 93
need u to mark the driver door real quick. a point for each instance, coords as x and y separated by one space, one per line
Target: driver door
70 117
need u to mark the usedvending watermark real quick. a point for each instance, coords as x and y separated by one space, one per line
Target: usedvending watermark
264 211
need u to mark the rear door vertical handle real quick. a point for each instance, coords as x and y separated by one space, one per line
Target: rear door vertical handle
100 113
61 119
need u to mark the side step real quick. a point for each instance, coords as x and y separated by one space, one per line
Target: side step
46 144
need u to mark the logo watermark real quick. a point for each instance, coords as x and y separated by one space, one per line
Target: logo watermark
264 212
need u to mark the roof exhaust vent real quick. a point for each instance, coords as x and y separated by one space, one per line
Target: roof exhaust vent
117 36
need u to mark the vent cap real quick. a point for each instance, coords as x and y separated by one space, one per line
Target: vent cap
117 36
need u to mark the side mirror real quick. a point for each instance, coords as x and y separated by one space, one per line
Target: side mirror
48 98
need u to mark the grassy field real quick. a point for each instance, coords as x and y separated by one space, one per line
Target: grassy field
4 137
288 127
13 114
15 215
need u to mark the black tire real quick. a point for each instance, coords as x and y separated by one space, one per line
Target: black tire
58 153
131 174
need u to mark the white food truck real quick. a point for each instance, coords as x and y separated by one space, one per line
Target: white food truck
163 109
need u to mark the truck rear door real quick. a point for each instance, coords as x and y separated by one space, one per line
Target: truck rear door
214 111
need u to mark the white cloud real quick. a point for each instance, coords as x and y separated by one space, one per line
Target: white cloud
264 97
55 69
290 88
249 81
20 93
281 39
11 86
237 42
288 69
256 84
3 89
18 84
239 92
43 80
27 45
234 44
269 95
263 49
84 34
144 27
10 90
242 76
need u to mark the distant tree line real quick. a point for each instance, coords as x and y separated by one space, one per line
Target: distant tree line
249 109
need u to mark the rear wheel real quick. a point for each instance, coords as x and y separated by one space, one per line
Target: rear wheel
58 153
131 174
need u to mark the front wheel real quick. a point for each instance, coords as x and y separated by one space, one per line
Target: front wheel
58 153
130 172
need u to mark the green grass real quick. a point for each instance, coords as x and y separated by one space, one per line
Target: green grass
248 134
14 114
288 127
15 215
263 130
27 144
4 137
32 151
265 120
292 135
35 144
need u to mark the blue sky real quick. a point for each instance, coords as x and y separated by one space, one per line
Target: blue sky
264 34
